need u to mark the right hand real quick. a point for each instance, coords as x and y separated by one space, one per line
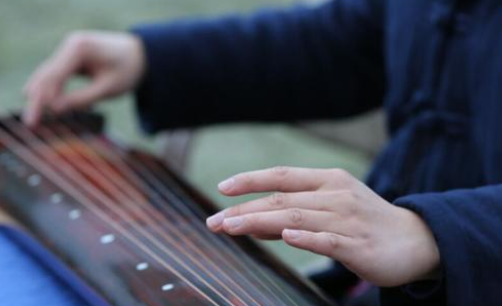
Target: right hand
114 63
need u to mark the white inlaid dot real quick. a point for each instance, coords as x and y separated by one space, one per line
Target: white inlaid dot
167 287
56 198
142 266
107 239
34 180
74 214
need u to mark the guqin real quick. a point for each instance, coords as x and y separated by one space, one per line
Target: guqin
123 229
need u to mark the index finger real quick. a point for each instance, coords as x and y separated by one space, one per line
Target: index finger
46 83
284 179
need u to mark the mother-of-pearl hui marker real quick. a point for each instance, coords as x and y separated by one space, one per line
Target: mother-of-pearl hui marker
74 214
167 287
142 266
56 198
107 239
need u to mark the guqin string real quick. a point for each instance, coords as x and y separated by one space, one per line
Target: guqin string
125 193
262 277
188 213
203 237
130 189
24 152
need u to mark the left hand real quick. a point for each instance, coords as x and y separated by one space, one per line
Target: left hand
333 214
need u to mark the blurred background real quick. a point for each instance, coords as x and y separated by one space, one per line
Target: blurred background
31 29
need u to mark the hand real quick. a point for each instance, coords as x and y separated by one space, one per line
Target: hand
331 213
114 62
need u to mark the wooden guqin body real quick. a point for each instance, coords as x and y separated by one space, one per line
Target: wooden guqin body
127 227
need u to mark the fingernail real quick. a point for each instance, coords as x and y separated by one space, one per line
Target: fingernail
215 220
292 234
233 223
226 185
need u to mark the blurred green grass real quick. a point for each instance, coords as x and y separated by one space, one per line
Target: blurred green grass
31 29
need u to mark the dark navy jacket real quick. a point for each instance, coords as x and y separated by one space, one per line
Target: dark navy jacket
435 66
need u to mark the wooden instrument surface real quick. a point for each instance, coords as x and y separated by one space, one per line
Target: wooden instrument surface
6 219
127 225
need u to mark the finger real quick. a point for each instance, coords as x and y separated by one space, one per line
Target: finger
274 222
312 200
38 96
33 112
285 179
99 88
47 82
68 59
333 245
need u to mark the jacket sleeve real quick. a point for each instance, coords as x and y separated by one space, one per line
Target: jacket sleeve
467 225
274 65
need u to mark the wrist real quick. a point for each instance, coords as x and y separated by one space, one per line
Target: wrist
423 250
138 58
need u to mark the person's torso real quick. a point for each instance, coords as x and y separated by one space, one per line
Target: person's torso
444 101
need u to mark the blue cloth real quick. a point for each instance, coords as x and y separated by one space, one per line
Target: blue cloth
24 281
433 65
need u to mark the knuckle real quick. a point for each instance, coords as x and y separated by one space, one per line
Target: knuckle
296 216
332 241
350 197
352 211
280 171
75 37
340 172
277 200
79 41
279 174
233 211
349 205
342 176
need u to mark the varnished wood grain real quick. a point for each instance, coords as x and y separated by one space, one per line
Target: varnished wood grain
105 211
